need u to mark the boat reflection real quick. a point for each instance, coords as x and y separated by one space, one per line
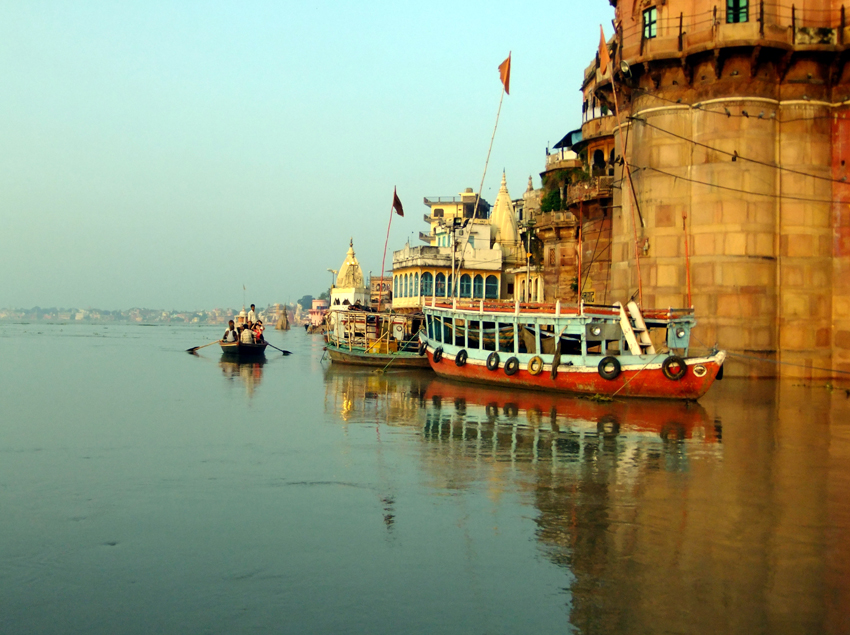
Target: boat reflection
362 395
250 373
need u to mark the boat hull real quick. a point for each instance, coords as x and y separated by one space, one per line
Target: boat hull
644 379
239 350
362 358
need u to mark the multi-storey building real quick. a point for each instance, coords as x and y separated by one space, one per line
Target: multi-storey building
729 127
470 254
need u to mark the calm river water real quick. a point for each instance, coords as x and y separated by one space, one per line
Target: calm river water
144 490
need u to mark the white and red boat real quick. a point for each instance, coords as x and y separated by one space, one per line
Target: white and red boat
585 349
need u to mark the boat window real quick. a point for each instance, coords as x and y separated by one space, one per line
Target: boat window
441 285
491 290
416 284
478 287
465 286
488 336
427 283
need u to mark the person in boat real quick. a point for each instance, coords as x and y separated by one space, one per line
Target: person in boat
252 316
258 331
247 336
231 334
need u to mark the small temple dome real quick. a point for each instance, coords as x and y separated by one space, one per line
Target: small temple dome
503 225
350 274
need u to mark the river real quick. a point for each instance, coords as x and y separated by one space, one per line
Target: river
145 490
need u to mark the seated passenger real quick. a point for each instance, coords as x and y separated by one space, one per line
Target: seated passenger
258 331
230 335
247 336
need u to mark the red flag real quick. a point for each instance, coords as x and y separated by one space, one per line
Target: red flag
505 74
397 203
604 57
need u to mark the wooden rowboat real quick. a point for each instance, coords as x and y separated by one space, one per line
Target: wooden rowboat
240 350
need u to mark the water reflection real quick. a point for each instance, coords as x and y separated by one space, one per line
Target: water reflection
658 513
250 373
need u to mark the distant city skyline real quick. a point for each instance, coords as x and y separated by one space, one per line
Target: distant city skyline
166 154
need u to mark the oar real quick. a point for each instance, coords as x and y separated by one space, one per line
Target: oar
280 349
197 348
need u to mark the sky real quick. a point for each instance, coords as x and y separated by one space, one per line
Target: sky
164 154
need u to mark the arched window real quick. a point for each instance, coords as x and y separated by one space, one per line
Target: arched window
406 285
450 290
427 283
415 284
478 287
441 285
395 286
465 286
491 288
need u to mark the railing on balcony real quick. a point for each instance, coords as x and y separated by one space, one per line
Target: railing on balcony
772 20
425 237
596 187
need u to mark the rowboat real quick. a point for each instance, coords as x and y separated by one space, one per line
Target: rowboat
240 350
606 350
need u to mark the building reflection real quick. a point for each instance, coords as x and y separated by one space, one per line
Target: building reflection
661 513
249 373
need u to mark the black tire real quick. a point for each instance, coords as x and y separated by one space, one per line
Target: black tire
674 368
461 357
423 348
438 355
719 375
493 361
511 366
604 372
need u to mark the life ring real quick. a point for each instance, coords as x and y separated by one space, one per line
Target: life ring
511 366
423 348
493 361
438 354
674 368
607 373
535 365
460 358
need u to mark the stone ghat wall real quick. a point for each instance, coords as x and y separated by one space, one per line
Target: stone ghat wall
768 248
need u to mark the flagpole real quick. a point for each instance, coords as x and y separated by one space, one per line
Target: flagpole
383 260
505 74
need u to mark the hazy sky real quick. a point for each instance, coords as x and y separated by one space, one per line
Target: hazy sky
161 154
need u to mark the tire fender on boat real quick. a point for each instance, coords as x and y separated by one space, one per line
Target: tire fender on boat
511 366
460 358
674 368
609 373
535 365
423 348
493 361
438 355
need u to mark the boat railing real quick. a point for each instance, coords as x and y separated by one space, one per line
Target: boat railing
557 309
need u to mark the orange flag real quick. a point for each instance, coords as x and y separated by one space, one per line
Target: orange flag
604 58
505 74
397 203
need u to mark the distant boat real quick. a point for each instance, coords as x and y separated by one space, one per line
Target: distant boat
239 350
375 339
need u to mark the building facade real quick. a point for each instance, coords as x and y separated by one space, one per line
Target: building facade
729 125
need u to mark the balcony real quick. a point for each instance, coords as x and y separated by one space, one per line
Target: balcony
561 160
777 25
596 187
426 238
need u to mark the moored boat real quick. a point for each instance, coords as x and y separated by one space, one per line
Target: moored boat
585 349
374 339
240 350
